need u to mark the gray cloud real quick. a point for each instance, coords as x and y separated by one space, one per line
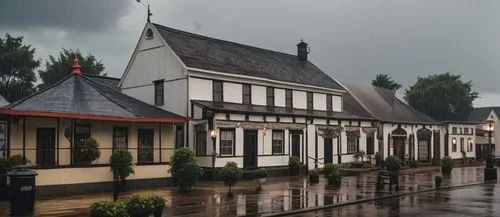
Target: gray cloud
350 40
87 15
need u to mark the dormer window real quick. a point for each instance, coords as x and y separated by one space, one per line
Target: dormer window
149 34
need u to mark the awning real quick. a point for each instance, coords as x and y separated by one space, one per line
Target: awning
329 131
369 131
352 131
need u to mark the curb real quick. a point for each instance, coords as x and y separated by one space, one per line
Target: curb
309 209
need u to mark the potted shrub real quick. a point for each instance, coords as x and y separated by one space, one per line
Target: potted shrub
314 176
438 180
106 208
121 166
335 178
446 165
157 204
358 155
261 175
138 206
330 168
294 165
86 151
231 174
185 169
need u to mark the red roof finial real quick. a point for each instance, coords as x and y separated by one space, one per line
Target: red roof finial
75 68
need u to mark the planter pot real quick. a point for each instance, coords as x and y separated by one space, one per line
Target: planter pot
158 213
261 181
313 179
446 171
335 182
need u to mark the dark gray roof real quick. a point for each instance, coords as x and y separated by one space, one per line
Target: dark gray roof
224 56
104 80
257 109
86 95
481 114
381 104
3 101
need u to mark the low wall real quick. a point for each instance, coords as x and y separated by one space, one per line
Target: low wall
67 181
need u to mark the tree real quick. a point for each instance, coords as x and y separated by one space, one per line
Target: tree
385 81
57 69
442 97
17 68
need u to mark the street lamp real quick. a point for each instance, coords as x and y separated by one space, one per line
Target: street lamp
213 135
490 173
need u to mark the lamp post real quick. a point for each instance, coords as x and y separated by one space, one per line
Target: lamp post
490 172
213 135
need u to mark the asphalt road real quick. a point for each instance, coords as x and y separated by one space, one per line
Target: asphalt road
480 200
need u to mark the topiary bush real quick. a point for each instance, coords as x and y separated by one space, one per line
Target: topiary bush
330 168
185 169
138 206
17 160
294 165
86 151
446 165
393 163
314 176
231 174
157 204
121 165
261 173
106 208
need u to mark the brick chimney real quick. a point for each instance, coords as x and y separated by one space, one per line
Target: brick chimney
302 50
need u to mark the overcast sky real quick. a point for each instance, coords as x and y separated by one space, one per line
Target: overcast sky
349 39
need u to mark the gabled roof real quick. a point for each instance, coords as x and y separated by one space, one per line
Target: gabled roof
258 109
481 114
381 104
88 97
207 53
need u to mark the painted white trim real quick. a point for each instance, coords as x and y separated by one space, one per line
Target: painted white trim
256 80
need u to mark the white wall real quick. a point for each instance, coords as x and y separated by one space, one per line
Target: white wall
233 92
258 95
200 89
299 99
319 101
279 97
459 135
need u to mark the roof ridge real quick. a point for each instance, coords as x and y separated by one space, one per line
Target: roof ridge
100 76
38 92
222 40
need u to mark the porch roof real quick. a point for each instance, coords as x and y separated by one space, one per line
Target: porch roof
258 109
83 96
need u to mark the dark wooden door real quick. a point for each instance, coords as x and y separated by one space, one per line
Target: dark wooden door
250 149
145 146
328 150
46 146
399 147
370 145
296 145
437 145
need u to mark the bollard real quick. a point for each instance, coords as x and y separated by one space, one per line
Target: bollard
22 191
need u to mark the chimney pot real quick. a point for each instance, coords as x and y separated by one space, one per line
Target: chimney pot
302 50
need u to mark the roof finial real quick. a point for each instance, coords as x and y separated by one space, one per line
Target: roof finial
75 68
149 15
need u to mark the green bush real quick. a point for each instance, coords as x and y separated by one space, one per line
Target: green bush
438 180
185 169
261 173
157 204
17 160
231 174
121 163
106 208
314 176
294 162
330 168
138 206
359 154
392 163
86 151
447 164
414 164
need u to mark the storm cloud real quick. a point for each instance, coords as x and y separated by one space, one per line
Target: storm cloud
351 40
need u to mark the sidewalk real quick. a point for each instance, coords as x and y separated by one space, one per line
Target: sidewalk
278 195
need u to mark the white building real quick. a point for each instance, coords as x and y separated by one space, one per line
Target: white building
481 116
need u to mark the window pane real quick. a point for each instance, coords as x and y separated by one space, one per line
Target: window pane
309 100
226 142
270 96
217 91
201 142
288 98
120 138
277 143
352 145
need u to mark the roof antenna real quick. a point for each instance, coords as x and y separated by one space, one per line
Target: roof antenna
149 11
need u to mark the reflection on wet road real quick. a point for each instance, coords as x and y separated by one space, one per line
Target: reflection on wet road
480 200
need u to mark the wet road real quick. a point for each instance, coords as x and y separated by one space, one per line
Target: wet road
480 200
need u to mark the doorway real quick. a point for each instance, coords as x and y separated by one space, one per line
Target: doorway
437 145
328 158
45 146
145 146
250 149
296 145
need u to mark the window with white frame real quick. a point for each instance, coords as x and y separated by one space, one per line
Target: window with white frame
352 143
120 138
226 142
278 142
201 142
